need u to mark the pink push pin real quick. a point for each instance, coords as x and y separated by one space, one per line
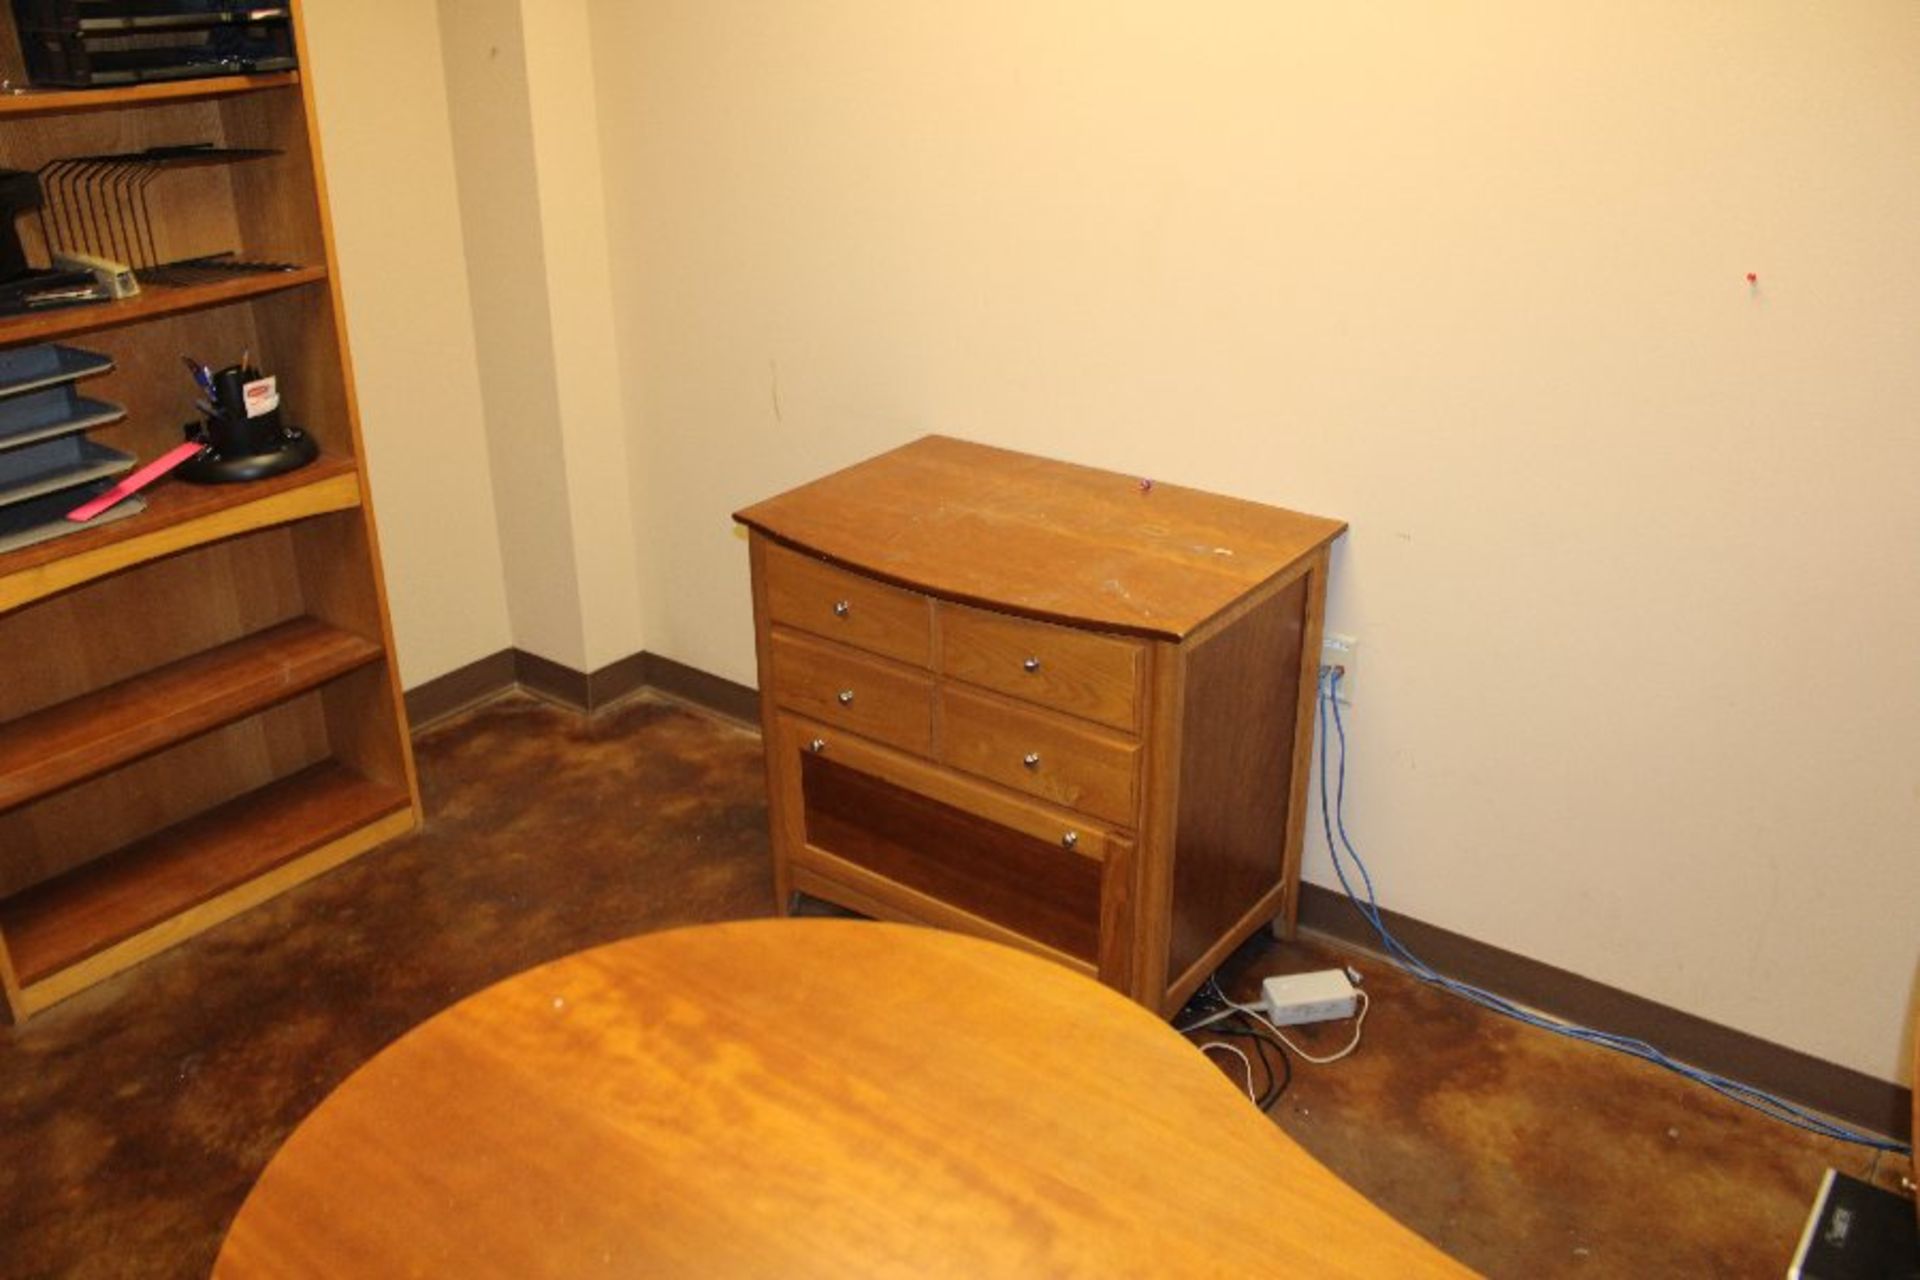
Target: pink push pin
1146 486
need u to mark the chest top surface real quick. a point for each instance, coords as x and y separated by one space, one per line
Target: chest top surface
1012 531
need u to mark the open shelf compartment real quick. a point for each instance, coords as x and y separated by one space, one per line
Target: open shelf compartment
158 881
179 517
150 303
61 745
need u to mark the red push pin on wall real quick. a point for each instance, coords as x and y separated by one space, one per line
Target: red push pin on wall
1753 277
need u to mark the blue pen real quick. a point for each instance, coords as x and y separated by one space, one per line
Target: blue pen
202 376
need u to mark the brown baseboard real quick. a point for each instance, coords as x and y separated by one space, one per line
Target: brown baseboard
710 692
551 680
616 680
509 669
454 692
1837 1091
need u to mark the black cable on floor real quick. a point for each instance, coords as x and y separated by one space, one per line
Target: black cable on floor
1208 1013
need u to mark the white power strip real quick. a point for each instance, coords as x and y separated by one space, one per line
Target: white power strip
1290 999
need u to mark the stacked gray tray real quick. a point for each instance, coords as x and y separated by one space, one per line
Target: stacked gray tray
47 465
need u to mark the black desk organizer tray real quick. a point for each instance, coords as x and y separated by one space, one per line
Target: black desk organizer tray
38 400
40 519
52 465
47 467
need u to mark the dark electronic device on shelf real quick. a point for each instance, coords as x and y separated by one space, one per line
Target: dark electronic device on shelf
244 441
90 43
25 288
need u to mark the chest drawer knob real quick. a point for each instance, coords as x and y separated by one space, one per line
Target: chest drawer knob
1070 839
816 745
842 608
1031 666
1031 760
844 697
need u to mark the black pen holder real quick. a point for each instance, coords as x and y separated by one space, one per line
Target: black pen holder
239 447
235 435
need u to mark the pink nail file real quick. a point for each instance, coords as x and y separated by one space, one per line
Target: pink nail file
135 482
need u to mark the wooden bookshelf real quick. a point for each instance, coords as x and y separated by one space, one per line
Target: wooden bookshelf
201 707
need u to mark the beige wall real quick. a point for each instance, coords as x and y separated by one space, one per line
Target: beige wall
485 60
1635 561
581 287
384 129
526 146
465 171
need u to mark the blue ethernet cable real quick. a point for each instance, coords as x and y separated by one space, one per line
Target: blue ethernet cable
1333 819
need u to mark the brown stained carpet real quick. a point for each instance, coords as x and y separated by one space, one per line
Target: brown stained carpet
134 1117
1525 1154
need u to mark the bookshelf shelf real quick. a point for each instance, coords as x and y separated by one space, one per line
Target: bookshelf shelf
61 745
151 303
56 926
40 102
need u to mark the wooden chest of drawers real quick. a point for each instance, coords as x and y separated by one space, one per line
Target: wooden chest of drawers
1059 707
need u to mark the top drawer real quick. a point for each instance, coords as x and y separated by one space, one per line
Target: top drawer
812 595
1083 673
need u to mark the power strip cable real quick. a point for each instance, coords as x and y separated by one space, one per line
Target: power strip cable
1221 1046
1214 1016
1333 818
1259 1014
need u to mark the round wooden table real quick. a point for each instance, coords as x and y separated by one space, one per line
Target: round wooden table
787 1098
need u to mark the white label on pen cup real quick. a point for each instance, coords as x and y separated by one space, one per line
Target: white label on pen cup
262 396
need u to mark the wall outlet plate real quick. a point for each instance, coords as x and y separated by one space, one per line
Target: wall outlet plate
1343 652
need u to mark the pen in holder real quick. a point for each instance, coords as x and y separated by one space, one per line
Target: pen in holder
241 428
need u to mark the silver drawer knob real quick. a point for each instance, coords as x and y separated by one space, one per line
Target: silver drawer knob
841 608
1031 760
1031 665
1070 839
817 745
845 697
